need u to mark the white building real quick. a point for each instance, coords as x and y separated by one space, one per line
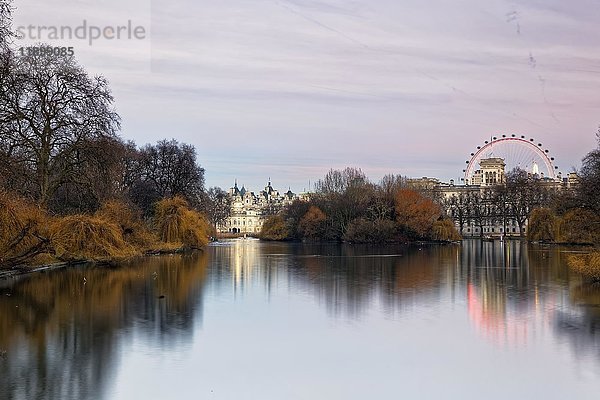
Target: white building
491 173
249 210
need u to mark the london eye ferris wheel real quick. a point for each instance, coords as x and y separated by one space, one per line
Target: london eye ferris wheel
517 152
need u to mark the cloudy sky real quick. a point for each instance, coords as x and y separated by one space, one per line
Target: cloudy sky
288 89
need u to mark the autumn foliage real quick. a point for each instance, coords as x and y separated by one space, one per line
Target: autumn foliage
274 228
543 225
312 224
416 213
84 237
176 222
588 265
576 226
580 226
23 230
28 235
348 207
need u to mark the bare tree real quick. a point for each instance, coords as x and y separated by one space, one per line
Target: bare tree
49 109
99 176
165 169
390 184
458 207
588 190
5 24
336 181
481 208
343 195
217 205
523 194
503 210
170 168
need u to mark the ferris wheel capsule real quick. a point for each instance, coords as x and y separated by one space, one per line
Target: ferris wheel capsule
516 152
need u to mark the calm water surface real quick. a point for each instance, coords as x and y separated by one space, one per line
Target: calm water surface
252 320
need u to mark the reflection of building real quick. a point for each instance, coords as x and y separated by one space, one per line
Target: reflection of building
249 209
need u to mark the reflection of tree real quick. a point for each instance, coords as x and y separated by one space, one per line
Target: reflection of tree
63 339
347 279
62 329
511 287
581 325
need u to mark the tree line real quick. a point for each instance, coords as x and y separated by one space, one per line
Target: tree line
61 155
347 206
507 205
539 210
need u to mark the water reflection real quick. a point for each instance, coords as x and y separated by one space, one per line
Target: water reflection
62 331
68 333
513 291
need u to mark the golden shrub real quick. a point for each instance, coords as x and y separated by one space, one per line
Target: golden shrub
580 226
23 230
133 228
444 230
84 237
312 224
587 265
175 222
543 225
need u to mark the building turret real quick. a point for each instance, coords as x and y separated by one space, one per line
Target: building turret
490 172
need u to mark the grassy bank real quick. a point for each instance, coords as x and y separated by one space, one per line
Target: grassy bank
30 236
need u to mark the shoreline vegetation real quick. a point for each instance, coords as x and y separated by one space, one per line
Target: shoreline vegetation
71 188
116 232
347 207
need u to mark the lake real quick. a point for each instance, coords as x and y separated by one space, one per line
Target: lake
256 320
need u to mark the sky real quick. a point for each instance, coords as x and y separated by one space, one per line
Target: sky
288 89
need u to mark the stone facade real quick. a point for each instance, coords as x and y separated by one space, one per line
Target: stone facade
249 209
492 173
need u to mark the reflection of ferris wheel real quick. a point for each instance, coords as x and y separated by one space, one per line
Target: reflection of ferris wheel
517 152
